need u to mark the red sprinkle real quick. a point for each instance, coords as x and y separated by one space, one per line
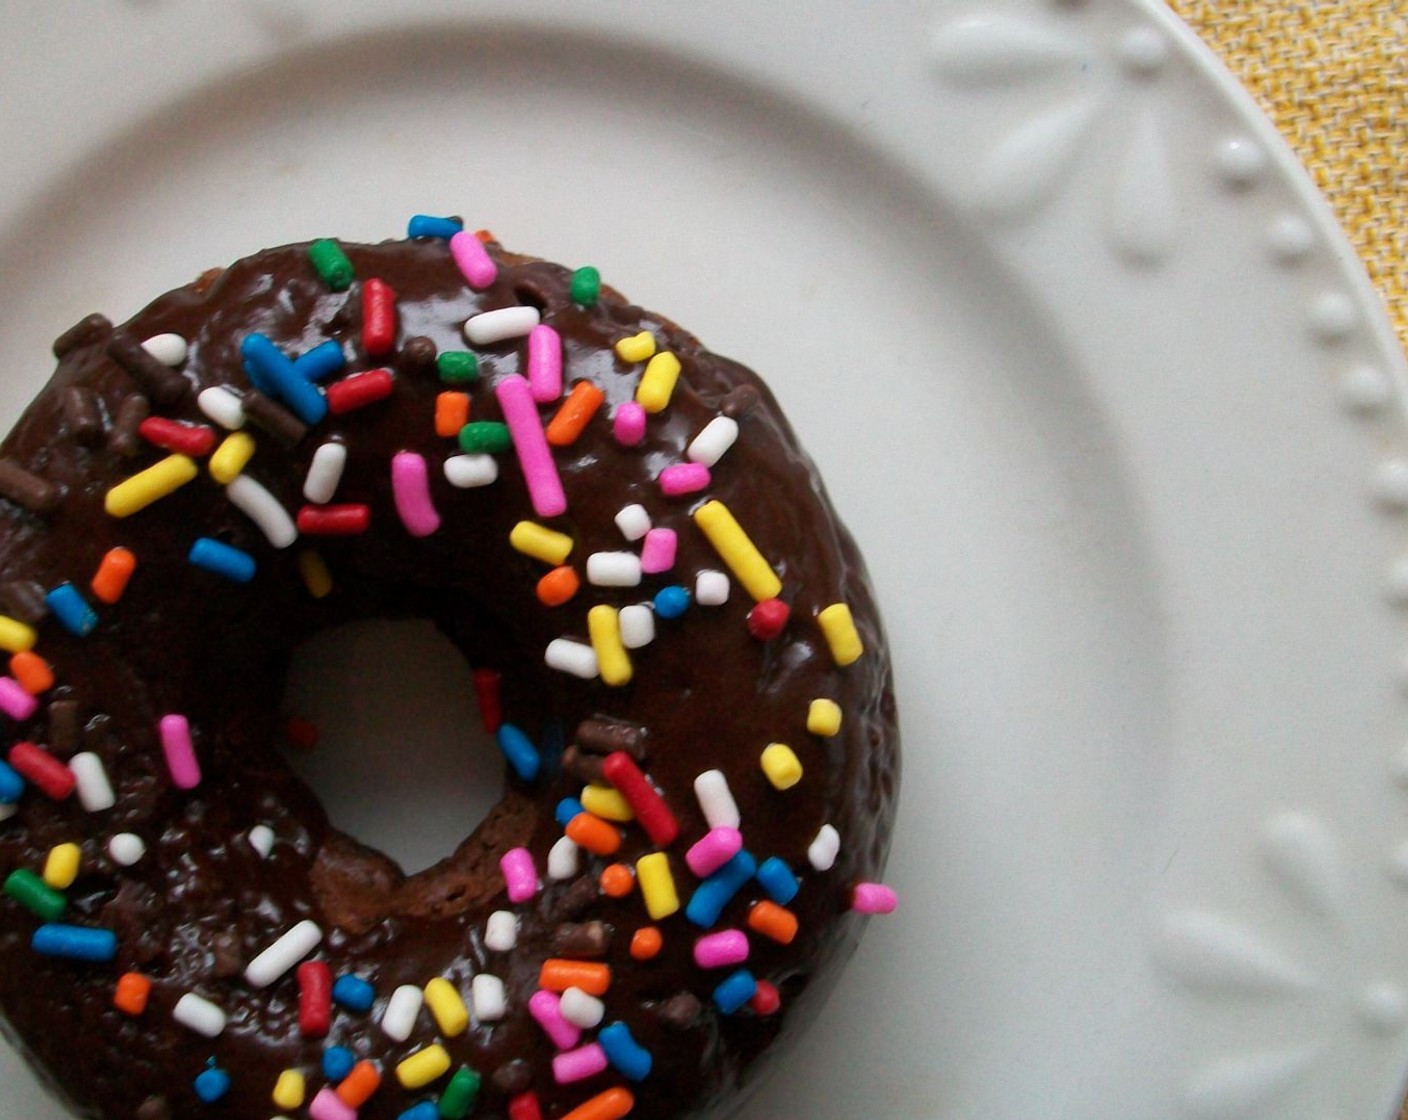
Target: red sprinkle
768 619
43 769
314 999
650 809
486 691
766 1000
524 1107
195 440
378 317
334 521
359 390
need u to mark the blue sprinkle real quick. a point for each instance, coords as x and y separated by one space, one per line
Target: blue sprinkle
777 880
273 372
353 993
213 1084
321 362
75 943
672 601
714 893
72 610
628 1056
519 751
427 225
426 1110
734 992
11 784
566 809
222 559
338 1062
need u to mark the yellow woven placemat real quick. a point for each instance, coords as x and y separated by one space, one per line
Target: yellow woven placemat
1333 74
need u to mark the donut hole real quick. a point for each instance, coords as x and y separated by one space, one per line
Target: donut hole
402 762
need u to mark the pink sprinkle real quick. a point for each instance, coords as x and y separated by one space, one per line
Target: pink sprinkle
657 553
546 1008
874 898
474 260
545 363
534 455
578 1065
520 876
719 950
327 1105
180 751
684 478
629 424
410 485
15 702
718 846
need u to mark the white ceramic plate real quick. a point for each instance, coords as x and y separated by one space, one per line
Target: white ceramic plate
1087 368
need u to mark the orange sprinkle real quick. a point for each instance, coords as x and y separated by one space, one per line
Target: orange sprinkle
596 835
32 671
131 995
114 570
558 975
451 413
358 1086
484 235
617 880
579 407
772 920
646 943
610 1105
558 586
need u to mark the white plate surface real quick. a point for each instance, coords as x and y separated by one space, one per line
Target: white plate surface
1087 368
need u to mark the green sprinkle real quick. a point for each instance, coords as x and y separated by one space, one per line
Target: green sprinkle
485 437
586 286
459 1095
35 895
331 264
456 367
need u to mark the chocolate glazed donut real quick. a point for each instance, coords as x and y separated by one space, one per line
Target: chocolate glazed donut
674 641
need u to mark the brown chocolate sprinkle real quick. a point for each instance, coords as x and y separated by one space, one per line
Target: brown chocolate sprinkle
85 332
162 383
581 940
83 414
274 418
513 1077
582 893
23 599
123 439
65 727
582 766
603 736
680 1011
27 488
417 355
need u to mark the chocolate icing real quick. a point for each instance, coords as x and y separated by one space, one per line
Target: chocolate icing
202 902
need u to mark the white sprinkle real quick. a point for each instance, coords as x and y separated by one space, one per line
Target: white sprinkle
716 800
399 1018
563 859
487 994
637 626
168 349
325 472
580 1009
633 521
265 510
223 406
283 954
126 848
711 588
708 446
495 326
465 471
91 782
822 852
575 658
261 839
199 1014
613 569
501 931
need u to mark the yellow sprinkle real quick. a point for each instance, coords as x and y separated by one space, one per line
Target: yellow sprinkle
230 457
61 866
604 629
840 630
637 348
540 542
290 1089
447 1007
15 636
146 487
657 885
737 551
781 765
658 382
423 1067
314 570
607 803
824 717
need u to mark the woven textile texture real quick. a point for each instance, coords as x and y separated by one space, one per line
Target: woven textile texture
1333 75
